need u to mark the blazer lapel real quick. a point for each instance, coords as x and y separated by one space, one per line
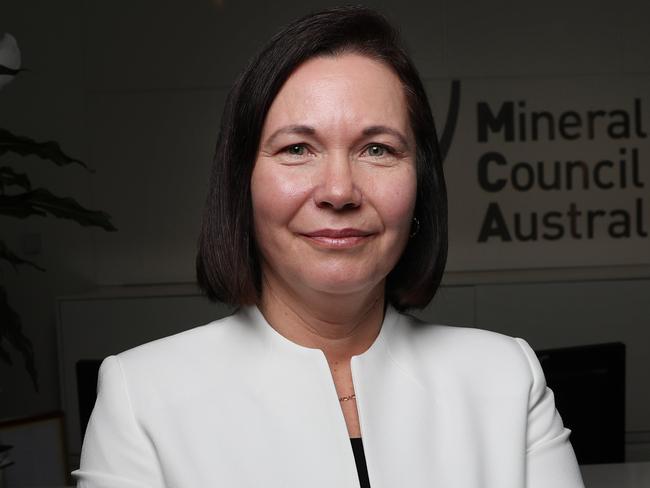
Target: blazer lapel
305 422
389 399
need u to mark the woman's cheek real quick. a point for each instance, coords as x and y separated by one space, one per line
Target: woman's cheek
396 199
278 192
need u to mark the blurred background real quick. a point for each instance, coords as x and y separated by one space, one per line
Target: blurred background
135 90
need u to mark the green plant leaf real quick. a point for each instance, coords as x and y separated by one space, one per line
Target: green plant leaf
4 355
18 206
41 202
5 70
25 146
11 331
9 177
8 255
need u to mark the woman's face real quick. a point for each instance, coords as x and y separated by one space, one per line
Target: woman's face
334 182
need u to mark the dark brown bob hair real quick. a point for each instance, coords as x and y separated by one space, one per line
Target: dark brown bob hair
228 263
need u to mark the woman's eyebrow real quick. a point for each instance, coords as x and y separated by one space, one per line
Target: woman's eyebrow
374 130
292 129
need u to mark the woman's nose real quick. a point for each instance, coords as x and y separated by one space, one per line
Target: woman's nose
337 188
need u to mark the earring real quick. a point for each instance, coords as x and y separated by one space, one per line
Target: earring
416 224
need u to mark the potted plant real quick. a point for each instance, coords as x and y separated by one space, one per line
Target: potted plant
18 199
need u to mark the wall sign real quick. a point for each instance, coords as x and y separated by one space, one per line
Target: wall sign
548 172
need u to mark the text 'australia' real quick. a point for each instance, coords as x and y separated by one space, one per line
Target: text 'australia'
618 172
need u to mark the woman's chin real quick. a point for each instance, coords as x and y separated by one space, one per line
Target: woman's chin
342 284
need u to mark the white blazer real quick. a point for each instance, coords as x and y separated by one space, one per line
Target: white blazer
235 404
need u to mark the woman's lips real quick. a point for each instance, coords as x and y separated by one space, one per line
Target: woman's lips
338 238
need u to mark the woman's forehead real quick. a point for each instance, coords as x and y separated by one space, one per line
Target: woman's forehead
338 91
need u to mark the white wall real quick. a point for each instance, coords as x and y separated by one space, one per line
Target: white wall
136 88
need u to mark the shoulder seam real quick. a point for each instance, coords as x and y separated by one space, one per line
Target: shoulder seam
520 342
126 390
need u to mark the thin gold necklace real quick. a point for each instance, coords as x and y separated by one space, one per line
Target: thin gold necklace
346 398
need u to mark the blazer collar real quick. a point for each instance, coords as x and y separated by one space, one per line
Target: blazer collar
299 381
272 338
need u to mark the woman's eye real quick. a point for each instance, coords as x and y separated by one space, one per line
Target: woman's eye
377 150
296 150
294 154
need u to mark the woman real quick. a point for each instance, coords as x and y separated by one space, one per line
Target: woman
326 216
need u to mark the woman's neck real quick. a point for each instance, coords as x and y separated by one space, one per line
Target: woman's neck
340 325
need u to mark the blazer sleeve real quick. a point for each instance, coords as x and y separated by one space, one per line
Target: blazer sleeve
116 451
550 460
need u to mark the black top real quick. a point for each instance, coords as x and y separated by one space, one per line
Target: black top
360 460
